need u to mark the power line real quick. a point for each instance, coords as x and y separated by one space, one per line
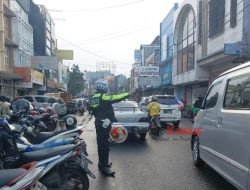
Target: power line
93 54
115 36
101 8
106 35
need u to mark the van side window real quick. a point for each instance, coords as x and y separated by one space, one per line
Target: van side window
212 96
238 93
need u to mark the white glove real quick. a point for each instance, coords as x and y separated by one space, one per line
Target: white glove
106 123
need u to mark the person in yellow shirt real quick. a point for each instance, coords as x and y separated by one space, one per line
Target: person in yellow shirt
154 107
154 115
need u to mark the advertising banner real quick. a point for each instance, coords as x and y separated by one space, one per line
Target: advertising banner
44 63
146 71
23 72
37 77
64 54
233 49
24 85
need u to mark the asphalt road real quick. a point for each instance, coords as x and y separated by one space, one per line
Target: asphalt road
159 163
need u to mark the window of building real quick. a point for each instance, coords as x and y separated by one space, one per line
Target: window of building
170 41
216 17
212 96
6 24
200 23
185 43
238 93
164 47
233 13
7 56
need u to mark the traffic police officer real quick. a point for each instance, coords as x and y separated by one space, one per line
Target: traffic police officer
101 105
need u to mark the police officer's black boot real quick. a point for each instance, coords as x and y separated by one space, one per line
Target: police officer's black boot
100 163
106 169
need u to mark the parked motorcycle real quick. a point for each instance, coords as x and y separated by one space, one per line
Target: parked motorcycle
65 167
25 177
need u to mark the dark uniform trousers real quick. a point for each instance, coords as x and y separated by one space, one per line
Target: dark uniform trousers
103 144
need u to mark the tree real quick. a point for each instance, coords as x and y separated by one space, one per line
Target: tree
76 80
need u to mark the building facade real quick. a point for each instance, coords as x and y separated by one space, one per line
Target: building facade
147 49
202 32
145 76
22 35
7 48
44 30
166 51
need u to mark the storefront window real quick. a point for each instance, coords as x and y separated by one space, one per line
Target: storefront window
185 46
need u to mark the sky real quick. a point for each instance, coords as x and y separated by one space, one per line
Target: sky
106 31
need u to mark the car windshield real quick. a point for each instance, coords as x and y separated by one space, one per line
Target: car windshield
167 100
42 99
30 99
126 106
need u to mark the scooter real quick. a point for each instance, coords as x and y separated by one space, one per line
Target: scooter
25 145
71 164
155 125
65 167
36 137
25 177
62 167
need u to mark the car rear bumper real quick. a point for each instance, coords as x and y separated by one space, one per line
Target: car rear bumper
170 119
140 127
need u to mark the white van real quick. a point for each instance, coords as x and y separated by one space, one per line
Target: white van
224 119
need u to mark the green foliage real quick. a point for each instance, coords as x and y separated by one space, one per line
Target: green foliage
76 80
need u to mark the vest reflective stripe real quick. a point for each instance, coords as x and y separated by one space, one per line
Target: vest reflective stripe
114 97
95 100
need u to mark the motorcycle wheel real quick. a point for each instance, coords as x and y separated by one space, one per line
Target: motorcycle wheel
157 131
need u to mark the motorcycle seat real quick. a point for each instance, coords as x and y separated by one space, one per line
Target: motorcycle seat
7 176
45 115
44 154
35 118
42 136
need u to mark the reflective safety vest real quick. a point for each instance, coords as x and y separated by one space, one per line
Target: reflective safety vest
101 105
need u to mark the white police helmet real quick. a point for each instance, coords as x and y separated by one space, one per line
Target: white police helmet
102 85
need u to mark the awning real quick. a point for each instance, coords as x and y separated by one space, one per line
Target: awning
8 75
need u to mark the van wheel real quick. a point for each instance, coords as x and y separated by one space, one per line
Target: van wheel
196 152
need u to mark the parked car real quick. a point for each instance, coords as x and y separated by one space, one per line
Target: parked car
58 105
170 108
223 119
129 115
142 103
37 101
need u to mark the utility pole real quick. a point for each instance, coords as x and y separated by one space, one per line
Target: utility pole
1 36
